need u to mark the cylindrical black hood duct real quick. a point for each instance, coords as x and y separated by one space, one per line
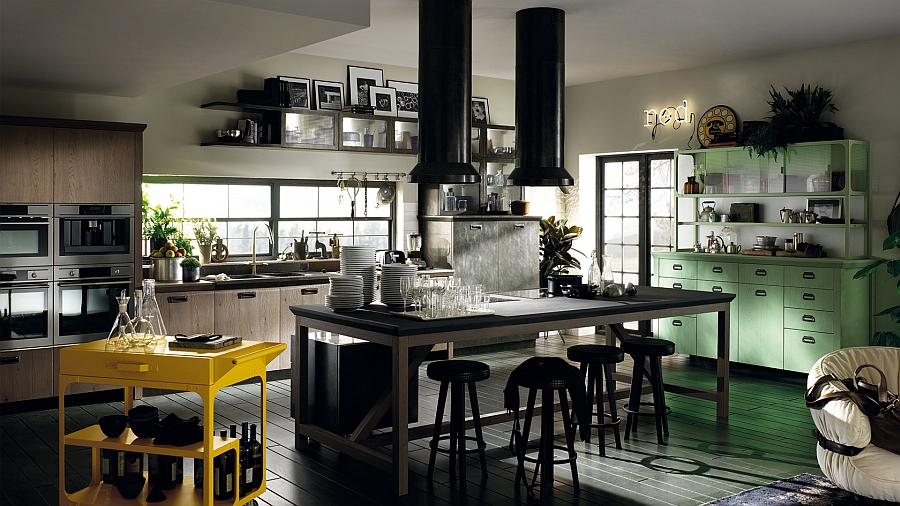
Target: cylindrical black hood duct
540 81
445 93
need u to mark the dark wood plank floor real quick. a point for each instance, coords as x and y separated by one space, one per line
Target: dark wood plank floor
767 437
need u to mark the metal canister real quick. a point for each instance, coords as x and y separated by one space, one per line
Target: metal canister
798 238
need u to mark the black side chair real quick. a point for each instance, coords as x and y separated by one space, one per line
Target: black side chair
596 362
641 349
457 374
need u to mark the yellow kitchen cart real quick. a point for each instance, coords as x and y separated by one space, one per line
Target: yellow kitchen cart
202 371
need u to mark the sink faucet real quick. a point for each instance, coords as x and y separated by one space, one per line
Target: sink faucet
253 254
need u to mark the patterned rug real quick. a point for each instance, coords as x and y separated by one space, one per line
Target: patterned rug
805 489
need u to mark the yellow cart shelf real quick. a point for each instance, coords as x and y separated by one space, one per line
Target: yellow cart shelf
204 372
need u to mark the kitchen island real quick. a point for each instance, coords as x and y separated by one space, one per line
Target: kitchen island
410 341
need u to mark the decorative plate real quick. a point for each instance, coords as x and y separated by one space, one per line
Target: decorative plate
716 121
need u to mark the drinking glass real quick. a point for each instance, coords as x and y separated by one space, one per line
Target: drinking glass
406 283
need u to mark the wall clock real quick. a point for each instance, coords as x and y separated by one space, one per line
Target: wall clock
717 120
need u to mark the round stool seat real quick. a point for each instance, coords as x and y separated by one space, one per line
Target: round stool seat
648 347
458 370
541 380
595 354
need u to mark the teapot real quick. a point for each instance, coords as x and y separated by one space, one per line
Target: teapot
787 215
808 217
709 211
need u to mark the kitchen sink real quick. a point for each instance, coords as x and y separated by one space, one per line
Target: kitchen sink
246 276
284 274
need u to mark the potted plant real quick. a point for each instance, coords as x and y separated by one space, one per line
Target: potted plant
556 253
893 268
158 223
190 269
797 119
205 234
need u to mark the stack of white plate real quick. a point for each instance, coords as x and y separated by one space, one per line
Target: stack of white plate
360 261
346 293
391 274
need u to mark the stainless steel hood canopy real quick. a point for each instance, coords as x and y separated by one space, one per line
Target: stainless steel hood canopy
540 80
445 94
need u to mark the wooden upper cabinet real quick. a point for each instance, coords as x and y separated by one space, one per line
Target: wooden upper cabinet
26 164
94 166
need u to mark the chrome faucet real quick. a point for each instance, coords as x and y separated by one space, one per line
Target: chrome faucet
253 254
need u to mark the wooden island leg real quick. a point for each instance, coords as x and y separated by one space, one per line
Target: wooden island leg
722 366
300 383
400 410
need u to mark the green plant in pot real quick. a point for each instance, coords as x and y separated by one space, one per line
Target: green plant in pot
893 268
205 234
556 253
158 223
190 269
794 119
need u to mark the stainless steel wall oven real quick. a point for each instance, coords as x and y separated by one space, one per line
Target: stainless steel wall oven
26 235
85 302
93 233
26 303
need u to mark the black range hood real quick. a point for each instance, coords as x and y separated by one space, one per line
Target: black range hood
445 94
540 80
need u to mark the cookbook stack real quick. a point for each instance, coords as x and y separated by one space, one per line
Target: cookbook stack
346 293
391 274
360 261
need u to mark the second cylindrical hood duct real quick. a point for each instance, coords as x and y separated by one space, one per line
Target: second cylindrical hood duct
445 93
540 81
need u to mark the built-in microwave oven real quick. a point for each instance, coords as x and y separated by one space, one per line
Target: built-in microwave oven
26 235
93 233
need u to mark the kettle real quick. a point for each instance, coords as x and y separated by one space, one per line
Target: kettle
787 215
708 211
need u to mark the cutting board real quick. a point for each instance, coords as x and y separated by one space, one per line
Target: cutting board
211 345
758 253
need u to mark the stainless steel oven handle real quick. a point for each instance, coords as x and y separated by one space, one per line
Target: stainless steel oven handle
23 286
98 283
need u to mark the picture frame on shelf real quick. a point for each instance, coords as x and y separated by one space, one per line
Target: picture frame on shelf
329 95
384 100
295 92
828 208
480 113
407 98
360 79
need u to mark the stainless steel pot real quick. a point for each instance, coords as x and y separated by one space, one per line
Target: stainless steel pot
166 269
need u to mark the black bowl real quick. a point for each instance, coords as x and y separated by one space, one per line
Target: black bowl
130 485
144 421
579 291
113 425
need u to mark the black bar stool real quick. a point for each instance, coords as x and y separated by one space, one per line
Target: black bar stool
457 374
641 349
596 362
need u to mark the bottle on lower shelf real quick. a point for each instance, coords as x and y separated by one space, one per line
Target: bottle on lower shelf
256 455
223 473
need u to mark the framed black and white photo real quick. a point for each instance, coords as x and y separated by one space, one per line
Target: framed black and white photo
825 208
360 78
384 100
407 98
480 114
295 92
329 95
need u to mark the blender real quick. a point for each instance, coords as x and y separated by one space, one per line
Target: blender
414 250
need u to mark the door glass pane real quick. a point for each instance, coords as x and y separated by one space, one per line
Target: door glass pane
613 200
631 174
630 203
660 202
612 175
612 230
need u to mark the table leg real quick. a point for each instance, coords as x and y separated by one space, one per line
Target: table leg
300 383
722 366
400 429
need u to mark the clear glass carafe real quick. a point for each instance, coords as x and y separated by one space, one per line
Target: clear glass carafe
594 273
122 332
152 323
606 275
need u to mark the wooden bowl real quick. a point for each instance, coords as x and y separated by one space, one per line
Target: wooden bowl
520 207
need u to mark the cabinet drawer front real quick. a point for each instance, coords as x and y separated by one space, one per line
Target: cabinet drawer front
681 330
669 268
809 298
719 287
808 319
677 283
762 274
802 348
809 277
717 271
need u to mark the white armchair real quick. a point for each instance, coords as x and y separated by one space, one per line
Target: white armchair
873 472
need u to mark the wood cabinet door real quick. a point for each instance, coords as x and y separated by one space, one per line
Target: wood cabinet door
761 335
252 314
187 312
26 163
26 375
294 296
519 255
94 166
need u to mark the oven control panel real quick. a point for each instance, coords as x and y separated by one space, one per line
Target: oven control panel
24 275
94 272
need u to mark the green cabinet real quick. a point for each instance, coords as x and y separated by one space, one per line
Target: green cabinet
760 333
708 323
681 330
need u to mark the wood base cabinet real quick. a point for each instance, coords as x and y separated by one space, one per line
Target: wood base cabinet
252 314
188 312
294 296
26 375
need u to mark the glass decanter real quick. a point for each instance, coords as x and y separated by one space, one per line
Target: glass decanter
152 320
122 332
594 277
606 275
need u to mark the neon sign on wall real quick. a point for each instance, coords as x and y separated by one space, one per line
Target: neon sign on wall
674 116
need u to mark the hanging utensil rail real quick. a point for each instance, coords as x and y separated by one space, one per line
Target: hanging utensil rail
344 174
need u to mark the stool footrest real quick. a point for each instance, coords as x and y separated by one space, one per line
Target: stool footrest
666 411
480 446
534 460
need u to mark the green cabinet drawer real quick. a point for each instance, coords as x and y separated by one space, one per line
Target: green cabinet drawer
809 277
681 330
809 298
708 323
677 283
718 271
761 329
808 319
669 268
762 274
802 349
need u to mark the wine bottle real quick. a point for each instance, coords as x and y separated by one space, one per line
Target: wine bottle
112 465
198 473
256 456
134 463
246 482
153 468
223 473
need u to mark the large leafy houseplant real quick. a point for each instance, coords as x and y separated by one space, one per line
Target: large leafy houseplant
893 268
556 246
791 118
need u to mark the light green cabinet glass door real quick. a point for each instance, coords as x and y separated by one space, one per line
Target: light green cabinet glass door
761 325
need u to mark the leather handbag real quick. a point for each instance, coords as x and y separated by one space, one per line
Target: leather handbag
881 406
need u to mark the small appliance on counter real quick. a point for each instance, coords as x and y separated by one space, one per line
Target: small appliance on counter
414 249
389 256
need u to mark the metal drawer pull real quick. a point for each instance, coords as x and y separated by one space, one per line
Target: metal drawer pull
809 339
717 289
717 270
129 367
676 323
474 227
309 291
760 293
809 275
809 318
809 296
246 295
677 267
518 225
9 360
760 272
175 299
676 286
